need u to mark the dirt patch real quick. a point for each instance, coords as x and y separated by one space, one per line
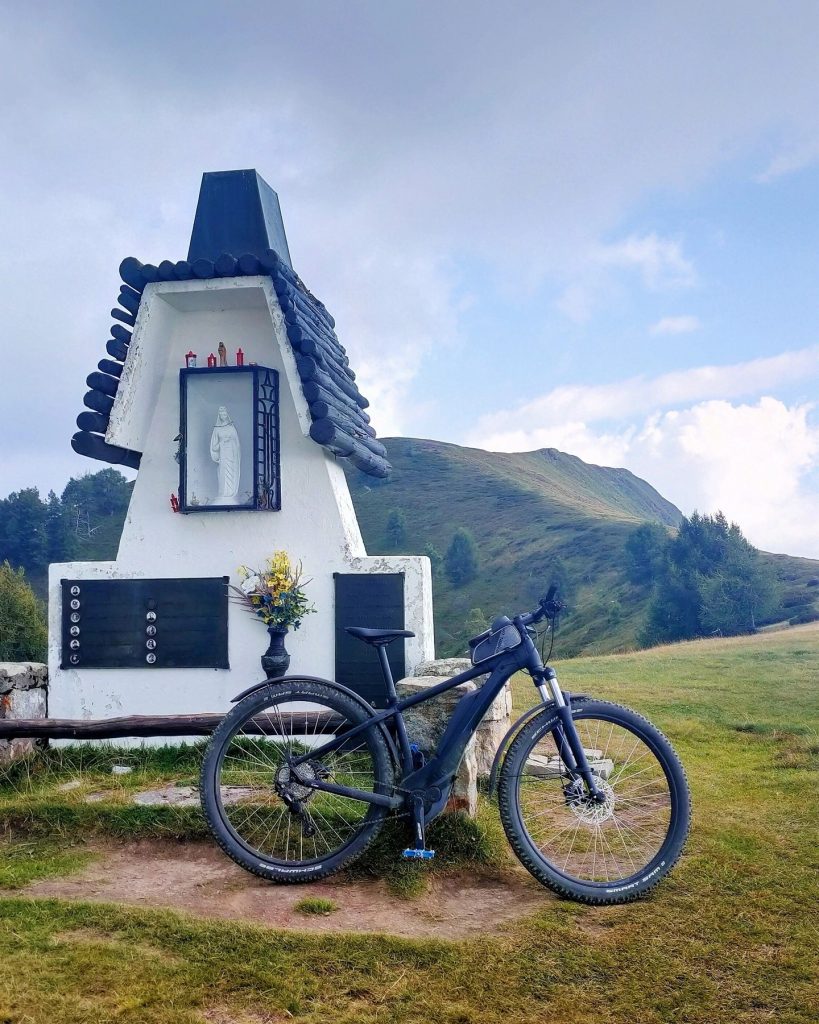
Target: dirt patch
218 1015
199 879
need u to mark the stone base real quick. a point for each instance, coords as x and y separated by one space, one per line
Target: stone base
23 694
426 724
495 722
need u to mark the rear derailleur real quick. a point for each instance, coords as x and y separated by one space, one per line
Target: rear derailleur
293 786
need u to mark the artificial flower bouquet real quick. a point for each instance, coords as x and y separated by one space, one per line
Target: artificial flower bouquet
275 594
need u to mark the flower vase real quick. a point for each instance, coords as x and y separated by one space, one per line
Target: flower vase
276 660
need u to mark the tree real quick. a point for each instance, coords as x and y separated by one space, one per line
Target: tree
712 581
739 594
23 533
646 551
60 540
674 611
461 558
396 527
92 499
23 630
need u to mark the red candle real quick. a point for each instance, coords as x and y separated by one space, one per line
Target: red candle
240 357
211 360
190 359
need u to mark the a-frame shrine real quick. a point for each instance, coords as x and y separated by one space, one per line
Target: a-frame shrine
236 456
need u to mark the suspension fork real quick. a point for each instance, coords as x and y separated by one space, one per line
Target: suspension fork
566 736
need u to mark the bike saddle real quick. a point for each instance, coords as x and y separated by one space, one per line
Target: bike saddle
377 637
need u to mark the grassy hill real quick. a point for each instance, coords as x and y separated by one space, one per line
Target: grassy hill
536 517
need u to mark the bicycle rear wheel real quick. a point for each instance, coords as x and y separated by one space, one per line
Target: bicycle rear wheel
598 853
259 808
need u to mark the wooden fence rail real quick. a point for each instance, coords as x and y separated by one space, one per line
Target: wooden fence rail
297 722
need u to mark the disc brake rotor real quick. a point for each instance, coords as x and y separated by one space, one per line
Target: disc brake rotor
589 811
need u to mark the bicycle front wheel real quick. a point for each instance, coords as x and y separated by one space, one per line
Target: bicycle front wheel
260 807
598 853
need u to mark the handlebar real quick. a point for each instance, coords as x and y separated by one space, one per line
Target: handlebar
548 608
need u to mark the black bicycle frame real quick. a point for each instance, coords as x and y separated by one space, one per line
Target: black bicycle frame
439 771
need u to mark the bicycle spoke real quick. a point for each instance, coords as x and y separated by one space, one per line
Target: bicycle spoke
585 839
271 807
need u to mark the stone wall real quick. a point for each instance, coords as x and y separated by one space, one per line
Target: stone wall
23 694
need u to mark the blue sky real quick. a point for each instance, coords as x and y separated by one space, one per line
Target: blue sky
593 227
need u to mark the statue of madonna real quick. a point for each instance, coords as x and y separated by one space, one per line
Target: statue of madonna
226 453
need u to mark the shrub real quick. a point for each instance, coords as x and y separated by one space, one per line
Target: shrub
23 629
809 615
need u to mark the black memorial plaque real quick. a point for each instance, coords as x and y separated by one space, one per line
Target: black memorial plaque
375 600
167 623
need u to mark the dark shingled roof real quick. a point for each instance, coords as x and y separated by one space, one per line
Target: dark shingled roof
337 408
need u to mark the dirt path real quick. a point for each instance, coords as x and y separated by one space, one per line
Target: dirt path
198 879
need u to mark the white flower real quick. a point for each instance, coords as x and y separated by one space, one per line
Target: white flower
249 585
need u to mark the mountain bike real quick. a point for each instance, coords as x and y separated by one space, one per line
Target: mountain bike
301 774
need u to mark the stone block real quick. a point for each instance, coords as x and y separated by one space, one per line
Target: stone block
25 703
23 694
488 738
553 767
22 675
426 722
425 726
445 667
496 721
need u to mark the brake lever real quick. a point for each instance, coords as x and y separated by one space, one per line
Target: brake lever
552 608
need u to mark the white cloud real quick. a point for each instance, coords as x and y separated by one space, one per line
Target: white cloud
599 269
754 462
758 462
387 332
627 399
675 325
795 157
660 261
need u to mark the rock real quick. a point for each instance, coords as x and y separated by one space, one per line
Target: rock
23 694
426 724
445 667
168 796
22 675
551 767
495 722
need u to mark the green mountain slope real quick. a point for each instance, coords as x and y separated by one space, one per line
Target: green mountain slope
536 517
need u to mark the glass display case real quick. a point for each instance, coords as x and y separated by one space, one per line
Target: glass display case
229 439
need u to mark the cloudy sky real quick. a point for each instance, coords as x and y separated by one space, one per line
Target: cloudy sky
589 226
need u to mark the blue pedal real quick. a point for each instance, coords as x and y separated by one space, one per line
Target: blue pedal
411 854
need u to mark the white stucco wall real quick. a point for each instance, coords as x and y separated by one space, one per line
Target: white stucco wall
316 523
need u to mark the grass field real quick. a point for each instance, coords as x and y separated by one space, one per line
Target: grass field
730 937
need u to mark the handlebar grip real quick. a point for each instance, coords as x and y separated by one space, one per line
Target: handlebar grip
550 593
